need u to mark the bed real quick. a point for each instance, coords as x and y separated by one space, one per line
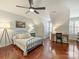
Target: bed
28 43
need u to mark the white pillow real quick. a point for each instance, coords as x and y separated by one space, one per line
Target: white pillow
28 35
22 36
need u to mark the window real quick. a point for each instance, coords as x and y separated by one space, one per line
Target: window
74 27
71 27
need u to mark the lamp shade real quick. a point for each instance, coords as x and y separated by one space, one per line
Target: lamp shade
4 25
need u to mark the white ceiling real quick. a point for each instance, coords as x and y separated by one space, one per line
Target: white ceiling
57 5
73 5
51 5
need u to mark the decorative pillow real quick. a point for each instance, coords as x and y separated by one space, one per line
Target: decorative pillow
22 36
28 35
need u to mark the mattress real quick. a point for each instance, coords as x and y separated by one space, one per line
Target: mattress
23 43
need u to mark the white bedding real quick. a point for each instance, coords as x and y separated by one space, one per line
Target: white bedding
23 43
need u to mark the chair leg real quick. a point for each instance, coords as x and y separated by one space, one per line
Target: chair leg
61 40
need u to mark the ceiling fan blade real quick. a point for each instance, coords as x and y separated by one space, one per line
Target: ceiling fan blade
31 3
36 12
39 8
22 6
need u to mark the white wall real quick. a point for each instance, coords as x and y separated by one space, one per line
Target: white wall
64 28
60 20
39 30
45 18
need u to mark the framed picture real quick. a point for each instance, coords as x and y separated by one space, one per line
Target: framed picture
20 24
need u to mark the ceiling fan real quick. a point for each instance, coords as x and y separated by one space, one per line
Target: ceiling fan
31 8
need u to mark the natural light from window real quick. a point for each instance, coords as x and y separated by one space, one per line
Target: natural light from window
74 27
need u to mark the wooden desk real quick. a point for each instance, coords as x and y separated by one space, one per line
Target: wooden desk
67 36
63 36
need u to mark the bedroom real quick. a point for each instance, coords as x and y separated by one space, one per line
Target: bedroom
11 22
28 35
19 26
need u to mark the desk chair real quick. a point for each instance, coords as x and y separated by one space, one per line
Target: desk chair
59 37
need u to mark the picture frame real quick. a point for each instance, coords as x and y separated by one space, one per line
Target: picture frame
20 24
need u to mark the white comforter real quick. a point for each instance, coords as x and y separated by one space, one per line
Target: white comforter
23 43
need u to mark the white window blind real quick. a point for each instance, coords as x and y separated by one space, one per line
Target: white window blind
76 27
73 27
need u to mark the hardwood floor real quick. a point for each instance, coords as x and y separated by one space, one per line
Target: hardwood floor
48 51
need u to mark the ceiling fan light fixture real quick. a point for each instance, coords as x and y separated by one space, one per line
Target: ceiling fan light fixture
31 10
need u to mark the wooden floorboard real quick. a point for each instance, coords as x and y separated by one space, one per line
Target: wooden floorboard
50 50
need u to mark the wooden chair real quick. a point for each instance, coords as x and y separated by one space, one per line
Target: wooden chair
59 37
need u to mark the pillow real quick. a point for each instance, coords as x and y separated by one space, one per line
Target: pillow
28 35
22 36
